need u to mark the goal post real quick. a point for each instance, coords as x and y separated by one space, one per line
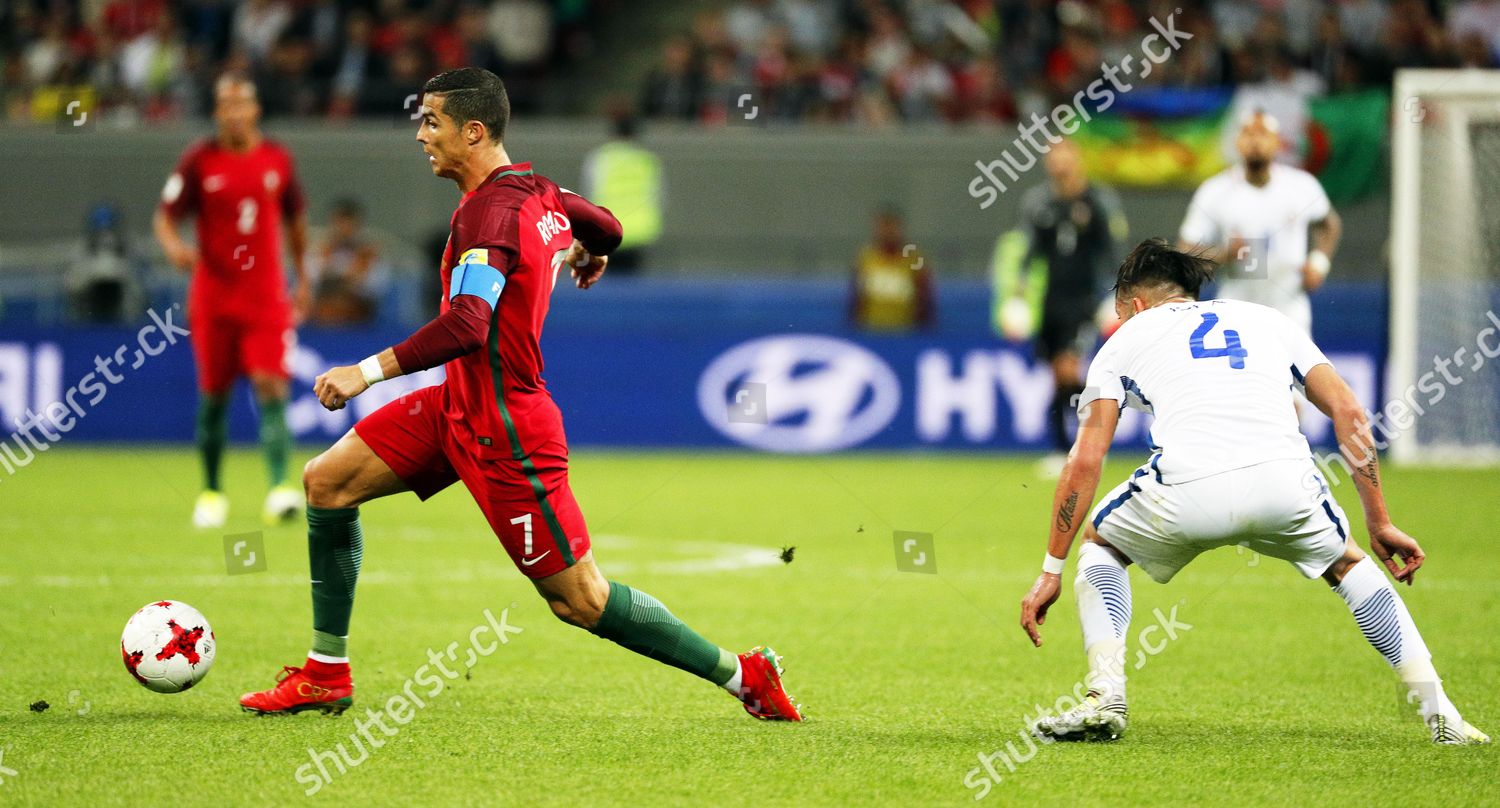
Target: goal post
1445 267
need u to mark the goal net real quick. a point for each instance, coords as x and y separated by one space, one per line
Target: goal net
1445 267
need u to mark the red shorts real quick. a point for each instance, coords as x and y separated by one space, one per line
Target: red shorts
226 348
529 506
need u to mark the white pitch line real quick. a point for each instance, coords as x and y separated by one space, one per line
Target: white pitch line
716 558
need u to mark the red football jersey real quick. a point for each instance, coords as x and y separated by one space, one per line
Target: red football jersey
239 199
514 222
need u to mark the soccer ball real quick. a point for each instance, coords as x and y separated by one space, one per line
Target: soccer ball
168 647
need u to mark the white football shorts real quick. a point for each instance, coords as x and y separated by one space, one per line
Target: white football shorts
1280 508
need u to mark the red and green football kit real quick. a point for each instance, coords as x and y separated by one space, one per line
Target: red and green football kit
492 423
238 310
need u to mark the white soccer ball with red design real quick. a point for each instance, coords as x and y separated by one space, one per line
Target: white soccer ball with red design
168 646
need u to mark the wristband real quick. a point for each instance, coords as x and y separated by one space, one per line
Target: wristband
370 367
1318 260
1053 565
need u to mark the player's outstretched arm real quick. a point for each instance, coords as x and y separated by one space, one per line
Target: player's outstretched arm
1325 234
459 331
585 267
596 233
181 254
302 290
1070 504
1329 393
594 226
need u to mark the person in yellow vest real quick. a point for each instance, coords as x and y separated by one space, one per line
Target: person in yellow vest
892 283
626 177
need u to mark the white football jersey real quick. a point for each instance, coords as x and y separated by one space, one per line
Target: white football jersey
1217 375
1273 221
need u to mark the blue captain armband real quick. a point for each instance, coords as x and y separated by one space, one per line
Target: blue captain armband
474 276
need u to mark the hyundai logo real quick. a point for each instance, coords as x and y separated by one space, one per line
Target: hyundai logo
799 393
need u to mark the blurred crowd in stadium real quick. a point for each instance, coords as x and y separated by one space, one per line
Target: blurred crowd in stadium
156 59
871 61
968 60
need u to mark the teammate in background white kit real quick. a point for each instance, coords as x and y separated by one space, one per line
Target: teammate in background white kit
1253 219
1230 467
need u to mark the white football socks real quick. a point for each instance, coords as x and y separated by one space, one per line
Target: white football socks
1103 592
1387 625
735 681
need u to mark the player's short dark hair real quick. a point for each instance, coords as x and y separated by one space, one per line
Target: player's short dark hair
1154 264
473 94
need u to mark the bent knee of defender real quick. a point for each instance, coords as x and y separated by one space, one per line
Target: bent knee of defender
1336 571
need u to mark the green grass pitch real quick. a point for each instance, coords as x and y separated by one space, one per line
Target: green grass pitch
1271 698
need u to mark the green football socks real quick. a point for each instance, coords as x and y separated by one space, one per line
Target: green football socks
641 623
211 434
275 439
335 547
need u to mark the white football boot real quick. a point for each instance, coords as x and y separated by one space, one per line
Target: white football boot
210 511
282 504
1093 720
1454 731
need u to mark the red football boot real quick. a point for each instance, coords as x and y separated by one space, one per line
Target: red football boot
318 686
760 687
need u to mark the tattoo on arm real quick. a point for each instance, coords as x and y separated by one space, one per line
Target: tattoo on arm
1065 513
1371 472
